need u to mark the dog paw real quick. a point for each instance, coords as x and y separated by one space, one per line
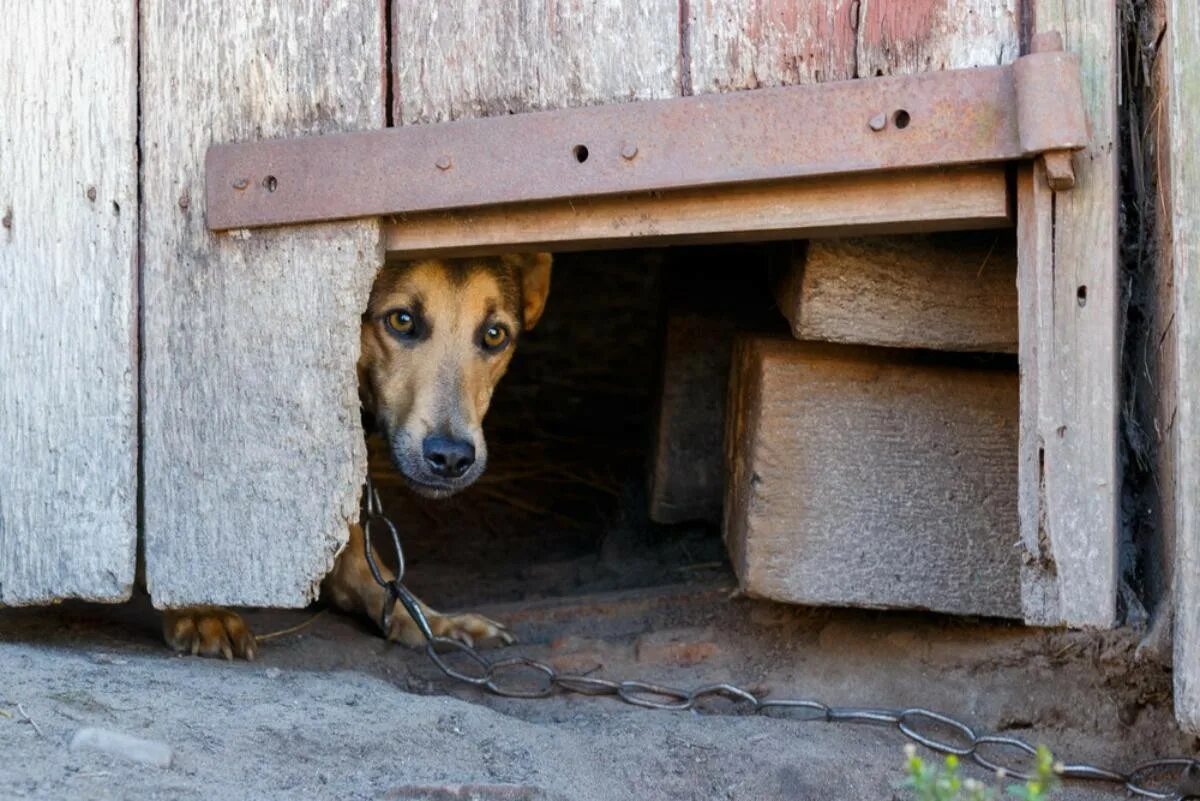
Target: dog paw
467 628
209 631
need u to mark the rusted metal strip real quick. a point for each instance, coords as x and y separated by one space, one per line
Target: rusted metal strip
934 119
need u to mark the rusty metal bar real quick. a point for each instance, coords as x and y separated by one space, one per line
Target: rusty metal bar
934 119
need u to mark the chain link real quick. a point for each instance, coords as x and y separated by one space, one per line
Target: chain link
1174 778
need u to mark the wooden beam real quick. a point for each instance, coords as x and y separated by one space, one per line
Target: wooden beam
254 453
68 279
949 292
962 198
1070 483
871 477
1183 27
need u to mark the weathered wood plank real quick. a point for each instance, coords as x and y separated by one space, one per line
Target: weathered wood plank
68 286
480 59
745 45
712 295
943 292
1183 26
903 37
253 448
1078 300
1035 271
961 198
872 477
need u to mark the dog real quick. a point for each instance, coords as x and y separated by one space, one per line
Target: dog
437 336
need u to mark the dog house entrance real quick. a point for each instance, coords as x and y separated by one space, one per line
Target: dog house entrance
609 466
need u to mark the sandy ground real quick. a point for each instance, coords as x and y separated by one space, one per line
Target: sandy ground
333 712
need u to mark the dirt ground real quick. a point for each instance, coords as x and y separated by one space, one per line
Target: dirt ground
331 711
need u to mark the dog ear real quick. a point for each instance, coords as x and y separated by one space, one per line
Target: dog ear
534 269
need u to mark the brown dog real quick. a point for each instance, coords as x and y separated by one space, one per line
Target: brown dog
436 338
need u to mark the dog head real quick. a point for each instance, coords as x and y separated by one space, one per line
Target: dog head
436 338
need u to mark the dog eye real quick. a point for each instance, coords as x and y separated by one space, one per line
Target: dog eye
495 337
401 323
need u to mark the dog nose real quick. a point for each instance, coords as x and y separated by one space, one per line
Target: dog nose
447 457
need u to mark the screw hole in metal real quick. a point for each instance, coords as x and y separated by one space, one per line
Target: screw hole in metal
271 183
901 119
1081 296
580 152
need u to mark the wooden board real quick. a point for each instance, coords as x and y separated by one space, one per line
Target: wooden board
944 292
1183 29
253 448
752 43
872 477
68 279
481 59
959 198
712 294
1070 302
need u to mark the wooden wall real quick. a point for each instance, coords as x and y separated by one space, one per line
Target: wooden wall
68 291
253 451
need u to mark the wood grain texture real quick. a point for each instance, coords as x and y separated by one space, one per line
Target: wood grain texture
960 198
1079 300
253 448
1035 269
941 292
481 59
746 44
872 477
68 260
1183 28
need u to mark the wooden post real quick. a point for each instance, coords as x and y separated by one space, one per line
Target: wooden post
1069 332
68 291
1183 27
253 450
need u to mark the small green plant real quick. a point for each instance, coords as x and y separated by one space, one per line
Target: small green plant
929 781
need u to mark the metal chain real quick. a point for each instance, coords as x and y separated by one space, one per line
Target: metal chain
1174 778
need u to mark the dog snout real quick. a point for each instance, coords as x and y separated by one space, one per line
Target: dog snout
448 457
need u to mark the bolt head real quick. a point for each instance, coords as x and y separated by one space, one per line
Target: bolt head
878 122
629 151
444 163
241 183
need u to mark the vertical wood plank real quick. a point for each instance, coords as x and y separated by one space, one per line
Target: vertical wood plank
1183 26
253 448
1079 399
68 262
745 44
1035 267
481 59
903 37
1078 296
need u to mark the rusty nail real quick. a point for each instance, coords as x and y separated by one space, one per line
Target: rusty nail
184 201
629 151
241 183
444 163
878 122
91 193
